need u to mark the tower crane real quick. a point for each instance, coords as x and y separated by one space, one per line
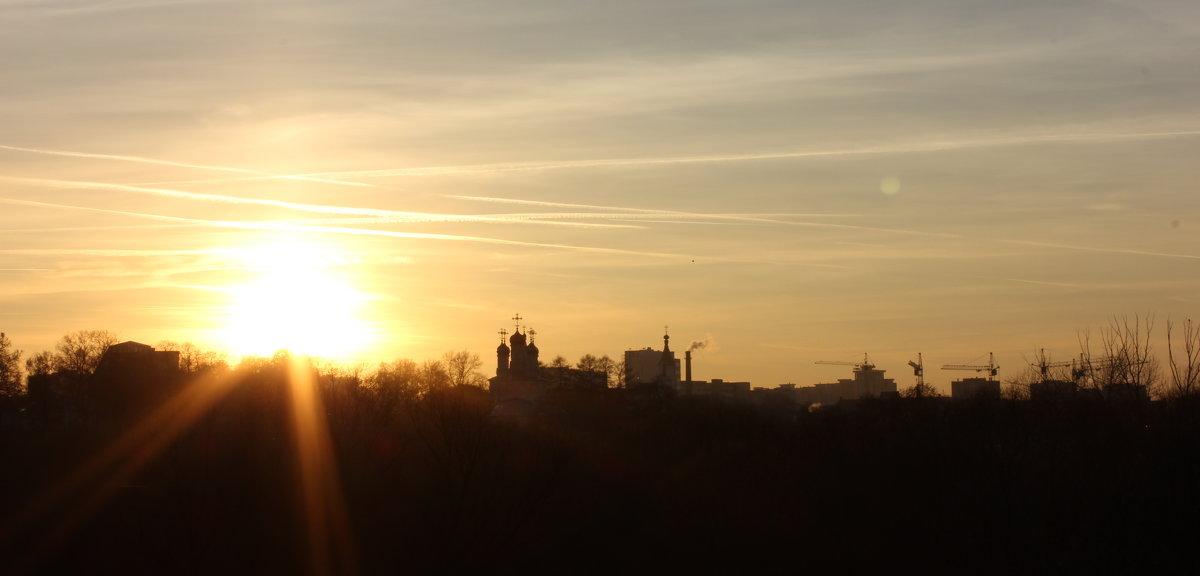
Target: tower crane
1044 366
991 366
865 364
918 370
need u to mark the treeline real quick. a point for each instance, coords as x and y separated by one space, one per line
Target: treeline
284 465
226 475
76 356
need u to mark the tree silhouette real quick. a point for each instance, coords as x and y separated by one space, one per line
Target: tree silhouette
1184 365
10 369
462 367
1127 358
602 364
79 352
40 364
920 390
194 360
395 382
433 376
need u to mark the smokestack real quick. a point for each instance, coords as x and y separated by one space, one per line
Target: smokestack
688 362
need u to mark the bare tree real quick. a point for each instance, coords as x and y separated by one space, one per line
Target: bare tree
1128 359
1018 387
560 362
10 368
462 367
194 360
612 371
589 362
920 390
79 352
39 364
1185 366
396 381
433 376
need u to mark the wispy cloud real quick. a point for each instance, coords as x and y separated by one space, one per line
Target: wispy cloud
1044 283
256 174
99 252
79 8
376 215
1103 250
931 145
286 227
683 216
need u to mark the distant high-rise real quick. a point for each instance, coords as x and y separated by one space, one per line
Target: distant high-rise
650 366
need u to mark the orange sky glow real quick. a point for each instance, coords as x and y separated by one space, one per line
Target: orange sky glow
786 182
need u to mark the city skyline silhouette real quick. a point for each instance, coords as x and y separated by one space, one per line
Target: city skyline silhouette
258 262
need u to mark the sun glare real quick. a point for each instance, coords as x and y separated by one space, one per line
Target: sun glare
299 298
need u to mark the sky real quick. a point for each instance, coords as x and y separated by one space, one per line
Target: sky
785 182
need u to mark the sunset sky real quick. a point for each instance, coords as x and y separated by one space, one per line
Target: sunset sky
789 181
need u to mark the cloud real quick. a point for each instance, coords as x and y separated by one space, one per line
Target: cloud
1103 250
143 160
911 147
279 226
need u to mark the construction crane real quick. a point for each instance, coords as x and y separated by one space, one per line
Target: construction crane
864 365
918 371
1111 365
991 366
1044 366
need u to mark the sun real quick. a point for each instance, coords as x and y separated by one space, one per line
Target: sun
299 297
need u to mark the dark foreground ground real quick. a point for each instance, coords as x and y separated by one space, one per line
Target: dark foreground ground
608 483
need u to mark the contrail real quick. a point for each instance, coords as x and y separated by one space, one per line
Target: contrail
751 218
399 217
257 174
274 226
548 219
328 177
1128 251
93 228
1044 283
323 209
394 215
102 252
930 146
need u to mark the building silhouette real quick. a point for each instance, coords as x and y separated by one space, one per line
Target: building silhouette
517 377
974 388
868 382
132 376
650 367
522 381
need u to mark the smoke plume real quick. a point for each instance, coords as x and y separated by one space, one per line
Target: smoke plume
706 344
